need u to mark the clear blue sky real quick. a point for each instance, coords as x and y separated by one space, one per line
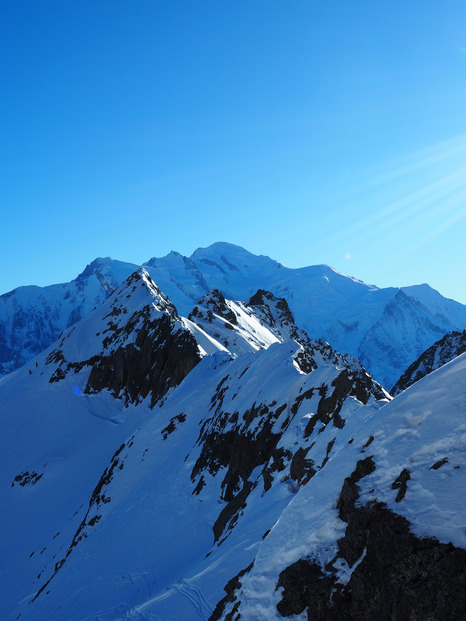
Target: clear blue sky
314 132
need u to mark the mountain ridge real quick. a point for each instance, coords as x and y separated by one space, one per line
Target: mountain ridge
352 316
440 353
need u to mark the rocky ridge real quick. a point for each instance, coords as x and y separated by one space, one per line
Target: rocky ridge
441 352
134 345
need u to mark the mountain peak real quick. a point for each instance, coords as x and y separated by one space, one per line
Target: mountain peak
133 345
354 317
140 288
219 247
229 256
94 267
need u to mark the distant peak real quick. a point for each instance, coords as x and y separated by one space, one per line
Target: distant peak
228 258
172 257
219 247
227 249
94 267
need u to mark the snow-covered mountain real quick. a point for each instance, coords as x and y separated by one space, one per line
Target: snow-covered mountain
386 328
152 463
32 318
441 352
379 532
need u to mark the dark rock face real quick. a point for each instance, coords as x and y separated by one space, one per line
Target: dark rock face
242 441
267 299
172 425
350 383
396 575
275 313
439 464
305 586
240 451
302 469
441 352
27 478
158 360
401 577
401 484
147 353
350 490
231 587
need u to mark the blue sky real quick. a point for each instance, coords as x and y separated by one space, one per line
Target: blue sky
314 132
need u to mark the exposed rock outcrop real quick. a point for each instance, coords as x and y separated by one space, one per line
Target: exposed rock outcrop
394 574
441 352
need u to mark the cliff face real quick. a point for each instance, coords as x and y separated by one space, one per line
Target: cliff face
389 572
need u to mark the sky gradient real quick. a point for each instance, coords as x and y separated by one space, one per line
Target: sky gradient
307 131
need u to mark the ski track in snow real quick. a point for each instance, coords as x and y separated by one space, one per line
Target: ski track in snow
190 592
195 597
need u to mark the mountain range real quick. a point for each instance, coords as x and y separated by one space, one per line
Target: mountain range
387 329
222 463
